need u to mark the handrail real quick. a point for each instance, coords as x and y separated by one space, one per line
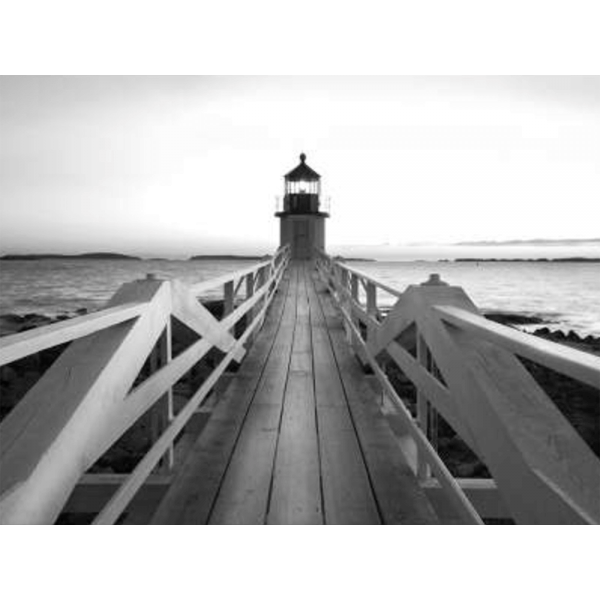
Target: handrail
566 360
210 284
466 369
360 274
18 345
85 401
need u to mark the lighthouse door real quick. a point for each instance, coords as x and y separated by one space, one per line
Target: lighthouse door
301 249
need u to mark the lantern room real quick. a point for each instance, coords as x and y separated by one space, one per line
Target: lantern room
302 224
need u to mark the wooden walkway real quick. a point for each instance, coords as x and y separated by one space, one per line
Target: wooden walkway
298 436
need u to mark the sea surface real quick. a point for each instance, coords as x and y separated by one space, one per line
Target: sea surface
567 295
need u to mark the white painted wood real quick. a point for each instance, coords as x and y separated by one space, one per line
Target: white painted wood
436 393
94 489
78 408
45 440
482 493
517 428
228 298
16 346
371 290
216 282
423 470
543 470
460 502
129 488
191 313
579 365
351 270
528 446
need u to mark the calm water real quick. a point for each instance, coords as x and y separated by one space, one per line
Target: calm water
568 294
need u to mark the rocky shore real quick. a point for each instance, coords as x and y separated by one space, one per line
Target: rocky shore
578 402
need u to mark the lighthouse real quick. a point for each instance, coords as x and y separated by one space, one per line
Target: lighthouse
302 220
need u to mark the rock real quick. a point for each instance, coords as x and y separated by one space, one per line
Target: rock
513 318
10 324
11 318
7 374
33 320
469 469
81 311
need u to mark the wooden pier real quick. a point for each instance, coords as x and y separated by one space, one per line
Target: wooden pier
299 436
308 429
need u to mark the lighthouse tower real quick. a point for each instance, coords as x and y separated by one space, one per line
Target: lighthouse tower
302 222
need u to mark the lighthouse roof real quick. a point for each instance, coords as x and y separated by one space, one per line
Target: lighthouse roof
302 172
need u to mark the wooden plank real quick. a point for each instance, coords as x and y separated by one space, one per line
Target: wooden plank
398 494
127 491
439 469
192 494
244 495
296 494
347 494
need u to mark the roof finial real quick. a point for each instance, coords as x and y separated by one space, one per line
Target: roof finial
303 158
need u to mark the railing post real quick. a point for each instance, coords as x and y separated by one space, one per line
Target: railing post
371 305
264 277
166 355
347 304
423 470
354 287
354 298
161 414
426 414
228 291
251 314
371 299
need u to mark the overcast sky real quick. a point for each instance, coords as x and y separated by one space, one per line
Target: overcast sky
175 166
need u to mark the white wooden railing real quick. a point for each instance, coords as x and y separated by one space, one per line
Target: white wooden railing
86 400
465 368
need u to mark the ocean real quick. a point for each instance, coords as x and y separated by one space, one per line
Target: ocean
567 295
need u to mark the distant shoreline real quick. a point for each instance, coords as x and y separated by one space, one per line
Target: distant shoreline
85 256
229 257
561 260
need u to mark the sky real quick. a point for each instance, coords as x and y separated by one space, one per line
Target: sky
174 166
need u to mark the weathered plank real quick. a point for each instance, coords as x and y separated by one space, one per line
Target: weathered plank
296 494
244 495
399 496
192 495
347 494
